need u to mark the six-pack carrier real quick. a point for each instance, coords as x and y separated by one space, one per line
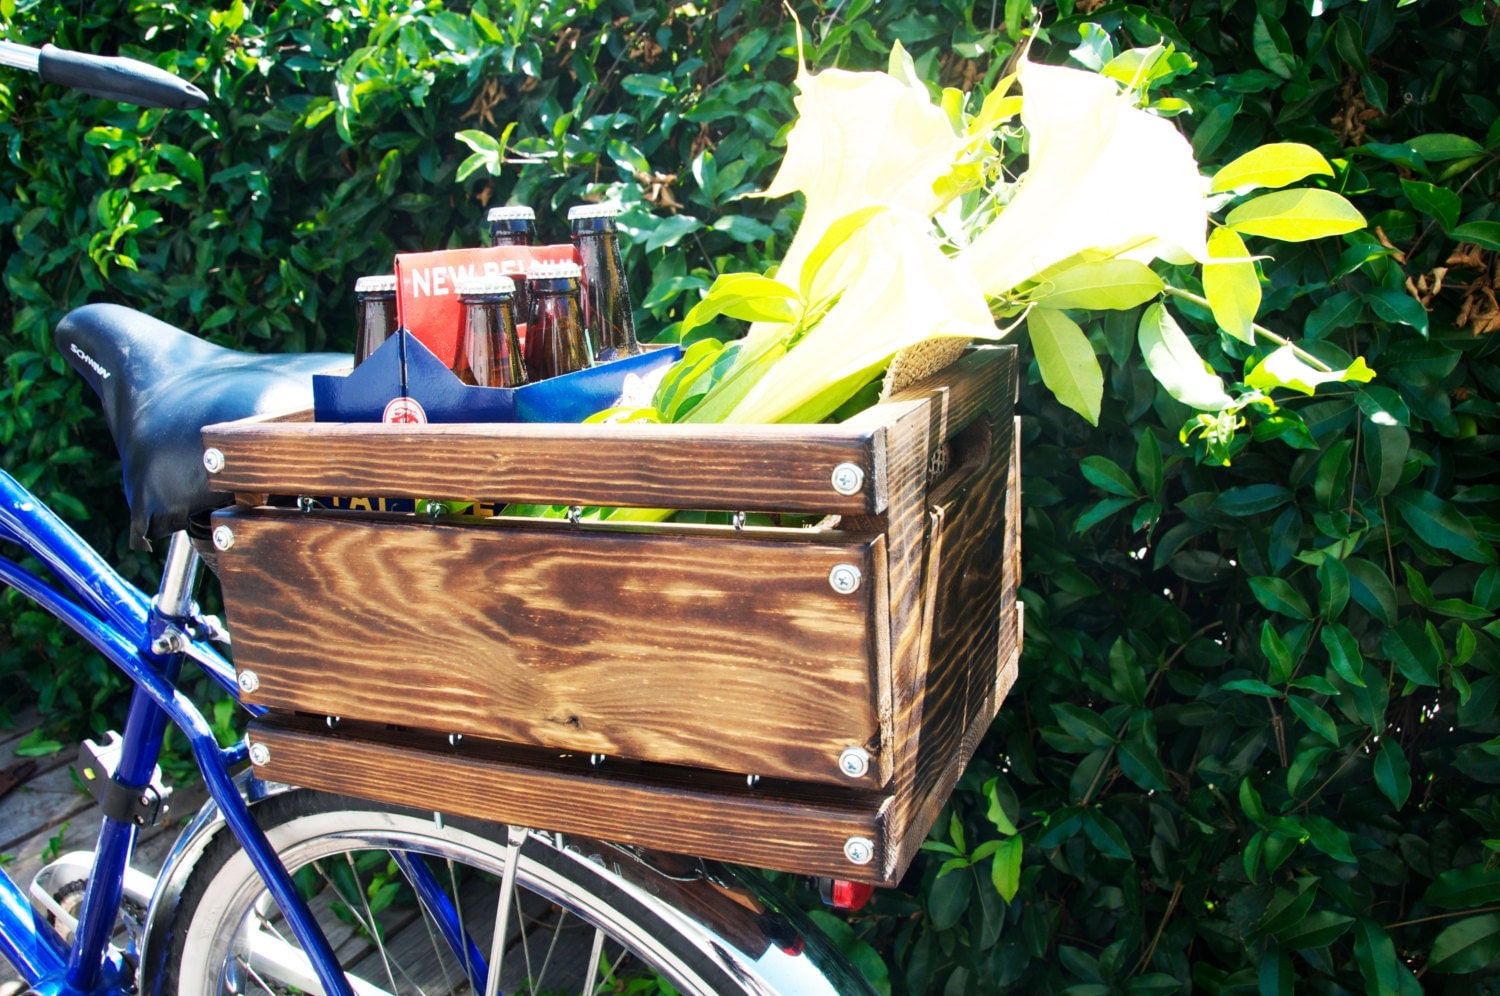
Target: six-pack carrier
796 697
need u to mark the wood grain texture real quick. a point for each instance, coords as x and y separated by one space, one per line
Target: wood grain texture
737 656
774 825
778 468
727 652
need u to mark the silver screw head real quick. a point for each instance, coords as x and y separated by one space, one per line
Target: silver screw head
260 755
855 762
249 681
213 460
859 850
845 578
848 478
223 537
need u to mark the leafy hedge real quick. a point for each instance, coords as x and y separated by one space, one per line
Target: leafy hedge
1254 745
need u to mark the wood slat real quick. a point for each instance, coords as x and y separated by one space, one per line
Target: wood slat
724 651
730 468
774 825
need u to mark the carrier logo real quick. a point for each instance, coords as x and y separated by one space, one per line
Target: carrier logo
93 364
405 411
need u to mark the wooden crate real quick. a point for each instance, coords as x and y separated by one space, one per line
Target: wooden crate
690 656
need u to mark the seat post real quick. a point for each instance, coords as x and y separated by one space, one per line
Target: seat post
179 577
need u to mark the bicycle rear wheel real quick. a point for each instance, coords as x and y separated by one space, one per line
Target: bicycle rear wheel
410 902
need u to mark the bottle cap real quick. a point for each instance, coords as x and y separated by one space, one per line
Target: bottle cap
547 270
384 283
467 286
585 211
511 212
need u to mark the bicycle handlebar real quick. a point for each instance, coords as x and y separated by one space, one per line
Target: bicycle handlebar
129 81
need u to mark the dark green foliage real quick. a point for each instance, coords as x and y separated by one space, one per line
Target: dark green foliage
1254 742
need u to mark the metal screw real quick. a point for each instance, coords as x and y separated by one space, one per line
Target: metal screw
260 755
848 478
454 739
596 759
332 721
752 780
855 762
859 850
845 578
213 460
249 681
223 537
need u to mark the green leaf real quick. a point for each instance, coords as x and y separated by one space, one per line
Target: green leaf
1251 499
1067 362
1005 870
1273 165
1250 801
1284 368
1232 288
1276 652
1434 201
1316 718
1395 305
1485 234
1470 945
1464 888
1278 595
1099 512
1275 975
1251 686
1333 588
1438 148
1273 47
1296 215
1140 763
747 296
1408 646
1343 653
1315 931
1371 589
1108 476
1375 954
1392 772
1112 284
1176 365
1441 525
1084 724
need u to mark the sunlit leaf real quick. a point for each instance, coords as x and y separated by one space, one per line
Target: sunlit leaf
1284 368
1111 284
1296 215
1067 362
1273 165
1232 288
1174 362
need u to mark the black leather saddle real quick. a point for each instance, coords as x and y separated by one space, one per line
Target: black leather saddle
160 386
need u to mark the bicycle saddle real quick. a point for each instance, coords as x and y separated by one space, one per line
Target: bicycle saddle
160 386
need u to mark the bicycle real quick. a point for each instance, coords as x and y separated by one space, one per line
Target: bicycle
278 889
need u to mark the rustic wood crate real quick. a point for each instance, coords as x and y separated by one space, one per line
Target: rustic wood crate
691 656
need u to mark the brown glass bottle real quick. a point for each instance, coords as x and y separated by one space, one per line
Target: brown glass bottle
491 352
514 225
375 314
511 225
606 298
555 340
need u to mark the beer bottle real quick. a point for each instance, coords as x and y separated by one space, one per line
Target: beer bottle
512 225
375 314
606 298
555 340
491 353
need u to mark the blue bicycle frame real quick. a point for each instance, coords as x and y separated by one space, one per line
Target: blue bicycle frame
148 640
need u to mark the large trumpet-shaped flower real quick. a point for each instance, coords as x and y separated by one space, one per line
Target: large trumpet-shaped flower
862 139
1105 179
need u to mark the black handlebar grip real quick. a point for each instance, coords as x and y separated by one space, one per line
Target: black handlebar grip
129 81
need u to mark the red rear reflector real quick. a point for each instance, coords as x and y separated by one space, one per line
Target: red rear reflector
850 896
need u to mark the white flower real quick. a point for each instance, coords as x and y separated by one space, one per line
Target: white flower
1105 178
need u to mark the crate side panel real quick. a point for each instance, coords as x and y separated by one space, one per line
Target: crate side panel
724 467
729 653
784 827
